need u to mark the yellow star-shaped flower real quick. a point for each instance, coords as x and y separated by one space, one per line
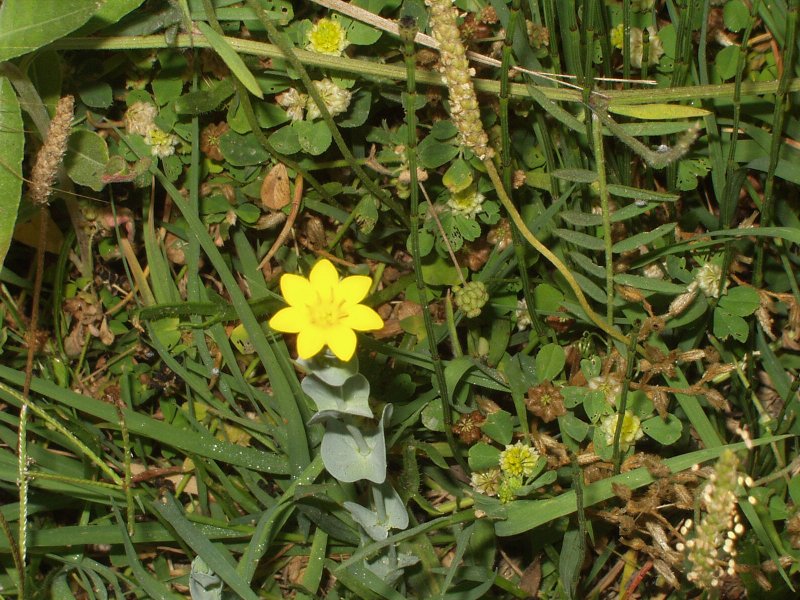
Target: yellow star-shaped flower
325 311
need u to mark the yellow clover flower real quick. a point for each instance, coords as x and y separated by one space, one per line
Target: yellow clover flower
631 429
518 460
325 311
327 36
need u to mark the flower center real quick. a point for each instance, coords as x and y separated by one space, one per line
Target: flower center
327 312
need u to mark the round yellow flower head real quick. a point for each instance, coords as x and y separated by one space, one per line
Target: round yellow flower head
518 460
327 36
325 311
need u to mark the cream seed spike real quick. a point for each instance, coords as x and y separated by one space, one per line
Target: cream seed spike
466 117
457 74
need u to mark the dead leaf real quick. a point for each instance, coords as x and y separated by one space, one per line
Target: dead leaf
275 192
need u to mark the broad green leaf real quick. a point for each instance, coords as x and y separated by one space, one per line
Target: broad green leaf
242 150
483 456
204 584
285 140
26 25
433 153
741 301
203 101
574 395
499 426
440 272
443 130
550 362
727 324
314 137
689 169
349 459
231 59
458 176
359 109
547 297
360 34
109 14
736 15
664 432
573 426
86 159
659 112
726 62
351 398
96 94
12 145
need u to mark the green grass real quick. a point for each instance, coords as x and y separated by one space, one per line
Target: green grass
646 213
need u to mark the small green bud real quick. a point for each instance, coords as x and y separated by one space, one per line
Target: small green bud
471 297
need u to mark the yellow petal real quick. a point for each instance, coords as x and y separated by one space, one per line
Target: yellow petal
289 320
310 341
295 289
362 318
323 277
342 342
354 288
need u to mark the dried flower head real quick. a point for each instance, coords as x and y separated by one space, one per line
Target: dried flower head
522 315
518 460
609 384
50 155
468 427
538 35
294 102
336 99
209 140
546 402
140 117
631 429
655 49
708 278
327 36
486 482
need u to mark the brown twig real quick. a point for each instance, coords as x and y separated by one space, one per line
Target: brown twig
287 226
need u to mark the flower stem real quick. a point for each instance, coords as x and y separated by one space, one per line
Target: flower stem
623 400
407 34
599 157
552 258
